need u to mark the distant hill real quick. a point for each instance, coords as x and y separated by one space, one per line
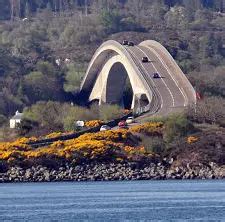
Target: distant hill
38 36
10 9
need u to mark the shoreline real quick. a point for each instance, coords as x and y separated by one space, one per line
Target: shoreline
113 172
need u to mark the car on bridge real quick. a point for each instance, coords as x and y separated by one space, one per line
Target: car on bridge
130 43
125 42
156 75
145 59
105 127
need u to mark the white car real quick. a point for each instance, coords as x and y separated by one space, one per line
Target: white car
130 119
105 127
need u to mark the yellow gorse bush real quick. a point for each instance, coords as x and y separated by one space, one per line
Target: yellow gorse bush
101 145
192 139
148 128
94 123
53 135
126 111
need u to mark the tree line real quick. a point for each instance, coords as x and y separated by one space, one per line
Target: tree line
34 52
11 9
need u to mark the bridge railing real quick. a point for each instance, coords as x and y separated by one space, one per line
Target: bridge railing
154 105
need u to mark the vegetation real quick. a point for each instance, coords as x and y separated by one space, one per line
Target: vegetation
109 112
53 45
140 143
210 110
102 146
46 45
45 117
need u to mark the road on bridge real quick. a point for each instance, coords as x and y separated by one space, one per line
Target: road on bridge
172 96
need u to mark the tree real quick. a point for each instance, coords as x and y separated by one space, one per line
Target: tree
136 7
47 115
111 20
176 126
73 79
28 10
108 112
46 68
38 86
5 8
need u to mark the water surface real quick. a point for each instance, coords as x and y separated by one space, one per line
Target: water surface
114 201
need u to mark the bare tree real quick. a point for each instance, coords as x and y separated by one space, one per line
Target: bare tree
86 7
12 5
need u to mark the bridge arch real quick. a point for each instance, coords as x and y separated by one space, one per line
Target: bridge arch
112 63
107 71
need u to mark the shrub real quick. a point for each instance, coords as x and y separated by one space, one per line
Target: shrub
75 113
192 139
26 126
109 112
3 120
55 116
73 79
47 114
177 125
153 144
210 110
94 123
150 128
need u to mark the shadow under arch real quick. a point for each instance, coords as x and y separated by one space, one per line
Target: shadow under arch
106 76
116 83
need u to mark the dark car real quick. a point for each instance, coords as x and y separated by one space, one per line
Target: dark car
144 59
156 75
130 44
125 42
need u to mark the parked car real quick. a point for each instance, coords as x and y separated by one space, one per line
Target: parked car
122 124
144 59
125 42
130 120
105 127
156 75
130 44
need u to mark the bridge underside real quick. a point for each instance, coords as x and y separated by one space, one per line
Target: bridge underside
115 85
108 87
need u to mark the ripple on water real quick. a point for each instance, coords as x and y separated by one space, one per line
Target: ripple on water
114 201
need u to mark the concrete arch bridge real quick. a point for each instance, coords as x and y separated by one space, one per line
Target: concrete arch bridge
113 63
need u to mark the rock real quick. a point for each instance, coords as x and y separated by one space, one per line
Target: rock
113 171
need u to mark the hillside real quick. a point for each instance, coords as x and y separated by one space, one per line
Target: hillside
72 30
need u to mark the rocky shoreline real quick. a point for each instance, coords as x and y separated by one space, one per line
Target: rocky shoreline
113 172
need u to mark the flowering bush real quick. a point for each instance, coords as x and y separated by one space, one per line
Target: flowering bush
150 128
53 135
126 111
93 123
104 145
192 139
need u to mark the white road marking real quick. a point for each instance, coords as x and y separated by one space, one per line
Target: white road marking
166 67
147 73
173 101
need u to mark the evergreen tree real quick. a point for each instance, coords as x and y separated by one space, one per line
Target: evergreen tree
27 10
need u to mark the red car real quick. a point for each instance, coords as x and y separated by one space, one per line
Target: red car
122 124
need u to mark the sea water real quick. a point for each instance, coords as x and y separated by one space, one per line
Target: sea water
114 201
